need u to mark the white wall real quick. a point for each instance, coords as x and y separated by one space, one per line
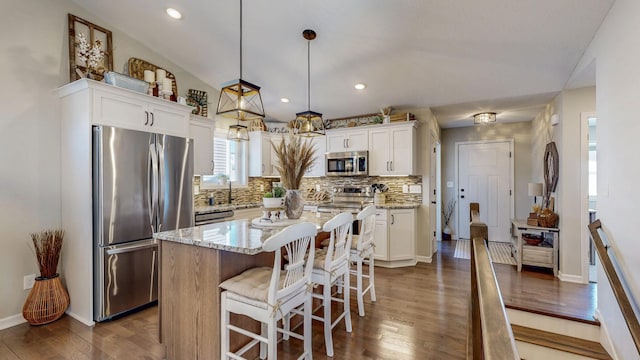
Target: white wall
34 61
521 134
616 51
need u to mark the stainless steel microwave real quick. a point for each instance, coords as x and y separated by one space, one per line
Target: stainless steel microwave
351 163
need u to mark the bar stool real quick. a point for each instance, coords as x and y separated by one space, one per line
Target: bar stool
362 248
269 294
331 267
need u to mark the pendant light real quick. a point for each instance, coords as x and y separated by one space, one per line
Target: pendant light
238 133
309 123
240 99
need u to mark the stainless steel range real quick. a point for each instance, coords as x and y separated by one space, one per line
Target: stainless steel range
353 199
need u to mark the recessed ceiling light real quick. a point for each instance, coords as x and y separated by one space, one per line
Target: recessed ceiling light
174 13
284 100
360 86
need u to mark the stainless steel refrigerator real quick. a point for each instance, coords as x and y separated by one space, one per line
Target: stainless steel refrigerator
142 183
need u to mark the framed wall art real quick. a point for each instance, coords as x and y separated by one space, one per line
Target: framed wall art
90 49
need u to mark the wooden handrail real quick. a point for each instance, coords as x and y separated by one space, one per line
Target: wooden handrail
616 279
491 335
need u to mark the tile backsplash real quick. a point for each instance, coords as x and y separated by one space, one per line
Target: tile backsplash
253 194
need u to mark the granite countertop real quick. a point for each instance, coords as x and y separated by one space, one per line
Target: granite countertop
238 236
398 205
224 207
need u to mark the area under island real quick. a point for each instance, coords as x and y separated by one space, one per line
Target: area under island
193 262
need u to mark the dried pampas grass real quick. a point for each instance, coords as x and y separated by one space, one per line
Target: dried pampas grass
294 156
47 246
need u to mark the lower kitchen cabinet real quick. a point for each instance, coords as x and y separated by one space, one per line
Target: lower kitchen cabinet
395 237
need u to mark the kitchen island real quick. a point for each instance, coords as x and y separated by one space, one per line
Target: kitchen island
193 262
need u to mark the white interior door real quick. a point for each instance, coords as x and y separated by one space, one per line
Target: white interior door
485 176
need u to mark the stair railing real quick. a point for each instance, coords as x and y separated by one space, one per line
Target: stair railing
490 336
626 301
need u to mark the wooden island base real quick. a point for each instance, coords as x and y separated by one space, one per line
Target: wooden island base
189 298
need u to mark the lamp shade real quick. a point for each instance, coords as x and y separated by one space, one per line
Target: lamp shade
535 189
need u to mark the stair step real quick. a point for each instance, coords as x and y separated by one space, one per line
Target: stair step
554 324
586 348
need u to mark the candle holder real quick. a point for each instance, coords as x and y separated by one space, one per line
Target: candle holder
158 88
166 94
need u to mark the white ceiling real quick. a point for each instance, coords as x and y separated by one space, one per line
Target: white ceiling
458 57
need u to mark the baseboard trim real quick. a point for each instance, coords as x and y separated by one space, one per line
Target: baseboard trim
571 278
425 259
11 321
81 319
605 338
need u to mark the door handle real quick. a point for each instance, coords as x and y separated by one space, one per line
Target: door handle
146 120
391 165
152 118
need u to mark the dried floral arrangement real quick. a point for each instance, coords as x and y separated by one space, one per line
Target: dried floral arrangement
47 246
91 55
295 156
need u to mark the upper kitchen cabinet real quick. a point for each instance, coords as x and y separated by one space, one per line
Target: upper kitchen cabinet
201 130
320 145
347 140
114 106
392 149
262 159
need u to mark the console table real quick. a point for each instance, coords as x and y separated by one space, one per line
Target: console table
543 255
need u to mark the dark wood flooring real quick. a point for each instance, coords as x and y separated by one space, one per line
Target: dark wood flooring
421 313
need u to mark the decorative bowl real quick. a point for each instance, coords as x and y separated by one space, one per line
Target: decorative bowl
533 240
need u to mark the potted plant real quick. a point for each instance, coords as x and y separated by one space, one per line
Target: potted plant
294 157
48 299
447 213
273 199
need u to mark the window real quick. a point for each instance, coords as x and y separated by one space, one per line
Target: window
229 163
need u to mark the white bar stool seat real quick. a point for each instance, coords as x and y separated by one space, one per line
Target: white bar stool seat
269 294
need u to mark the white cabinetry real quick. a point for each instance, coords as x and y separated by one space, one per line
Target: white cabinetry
395 237
131 110
201 130
392 150
320 144
347 140
84 103
262 159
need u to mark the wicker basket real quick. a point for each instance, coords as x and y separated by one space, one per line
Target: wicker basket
47 301
548 218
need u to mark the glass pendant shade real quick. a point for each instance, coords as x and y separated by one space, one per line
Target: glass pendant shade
238 133
309 123
240 100
484 118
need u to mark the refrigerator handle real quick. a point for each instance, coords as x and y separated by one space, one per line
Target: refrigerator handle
153 196
160 175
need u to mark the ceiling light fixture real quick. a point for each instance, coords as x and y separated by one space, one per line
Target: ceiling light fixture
238 133
174 13
360 86
284 100
484 118
309 123
240 99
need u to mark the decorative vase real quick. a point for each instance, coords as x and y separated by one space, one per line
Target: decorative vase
270 203
47 301
294 204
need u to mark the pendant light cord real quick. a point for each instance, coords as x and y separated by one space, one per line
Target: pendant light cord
240 39
308 75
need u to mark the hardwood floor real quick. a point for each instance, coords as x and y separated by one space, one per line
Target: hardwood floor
420 313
